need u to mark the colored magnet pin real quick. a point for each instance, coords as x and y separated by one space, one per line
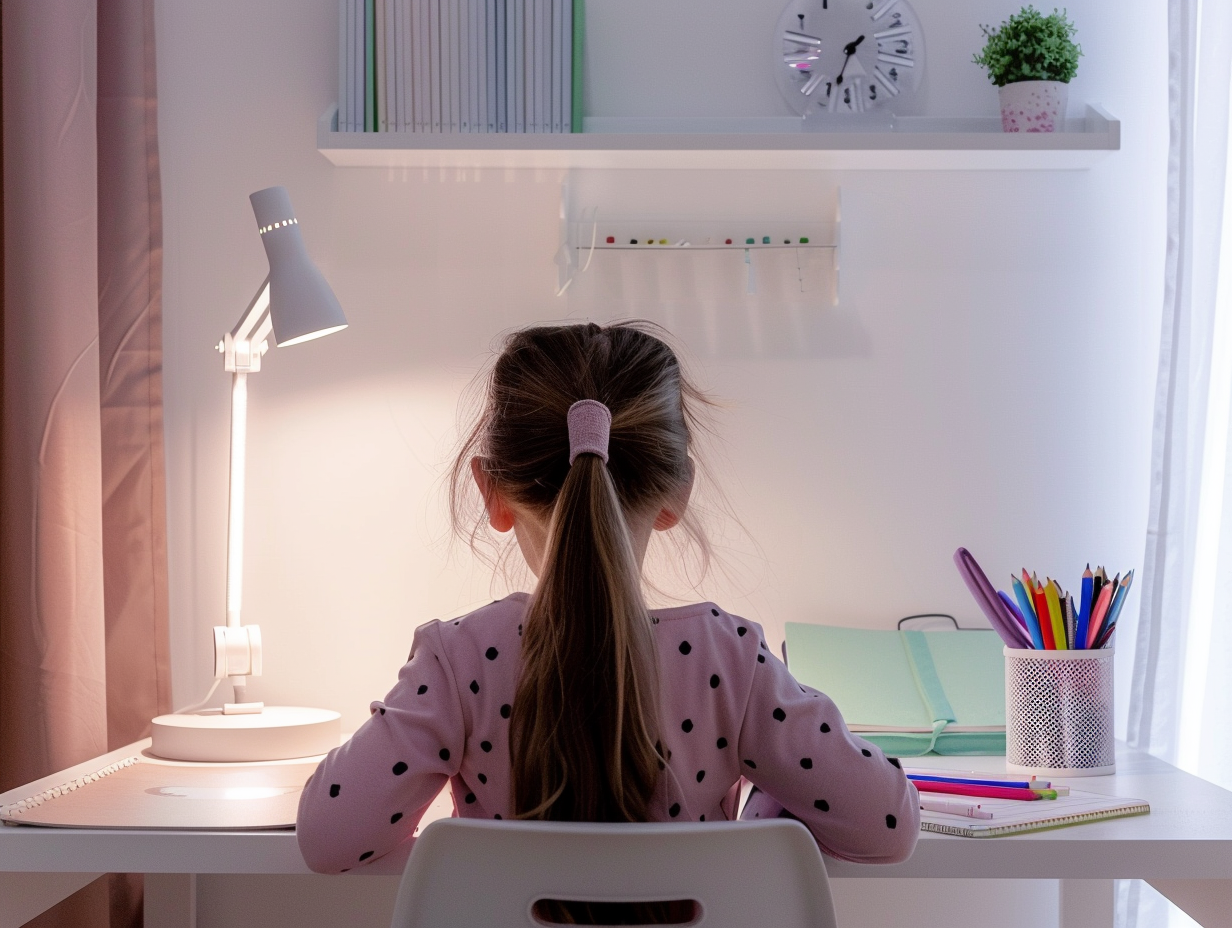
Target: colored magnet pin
611 240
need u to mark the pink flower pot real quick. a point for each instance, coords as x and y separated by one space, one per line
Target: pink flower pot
1033 106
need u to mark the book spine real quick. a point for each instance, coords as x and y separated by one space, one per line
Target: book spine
343 54
33 802
370 123
579 48
566 103
502 66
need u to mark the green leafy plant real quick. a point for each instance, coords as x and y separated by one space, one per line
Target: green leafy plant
1030 46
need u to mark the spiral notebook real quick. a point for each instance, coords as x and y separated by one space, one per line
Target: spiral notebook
135 793
1013 816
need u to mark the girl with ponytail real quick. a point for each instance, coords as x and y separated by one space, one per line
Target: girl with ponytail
575 702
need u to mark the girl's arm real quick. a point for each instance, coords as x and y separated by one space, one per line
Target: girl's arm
795 747
367 796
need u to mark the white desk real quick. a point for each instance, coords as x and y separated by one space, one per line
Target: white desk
1183 848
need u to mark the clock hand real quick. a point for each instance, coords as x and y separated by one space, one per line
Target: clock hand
849 49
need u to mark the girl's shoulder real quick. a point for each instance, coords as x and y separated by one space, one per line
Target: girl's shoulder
709 627
489 629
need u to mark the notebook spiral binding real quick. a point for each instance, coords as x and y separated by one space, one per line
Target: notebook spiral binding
33 802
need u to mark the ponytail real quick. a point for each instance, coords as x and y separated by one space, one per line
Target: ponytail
585 717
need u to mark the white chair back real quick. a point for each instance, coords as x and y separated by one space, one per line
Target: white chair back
487 874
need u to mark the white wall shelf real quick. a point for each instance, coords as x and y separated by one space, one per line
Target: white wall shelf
906 143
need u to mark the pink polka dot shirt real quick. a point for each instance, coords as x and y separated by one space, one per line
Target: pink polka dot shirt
729 708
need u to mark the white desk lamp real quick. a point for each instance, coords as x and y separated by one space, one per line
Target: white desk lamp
297 305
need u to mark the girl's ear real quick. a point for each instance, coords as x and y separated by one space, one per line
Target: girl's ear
674 508
500 516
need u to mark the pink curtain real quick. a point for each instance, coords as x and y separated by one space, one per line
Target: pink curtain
83 604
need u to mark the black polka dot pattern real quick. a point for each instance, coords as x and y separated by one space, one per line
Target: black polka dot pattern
486 746
382 710
674 810
821 805
721 743
483 778
422 689
779 714
475 687
497 815
366 854
399 768
742 631
444 753
866 752
806 763
894 761
334 790
750 764
506 709
714 681
395 818
685 647
761 658
470 797
491 654
686 726
714 611
825 727
701 775
891 821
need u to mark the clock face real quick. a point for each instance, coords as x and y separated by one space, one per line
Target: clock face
848 56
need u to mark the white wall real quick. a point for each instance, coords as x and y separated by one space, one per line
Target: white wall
989 380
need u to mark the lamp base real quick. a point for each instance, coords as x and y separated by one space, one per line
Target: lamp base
276 733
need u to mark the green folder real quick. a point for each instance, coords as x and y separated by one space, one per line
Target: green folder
908 692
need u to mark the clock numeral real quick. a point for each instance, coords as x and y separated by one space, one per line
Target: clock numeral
885 80
896 59
883 9
813 83
892 33
800 38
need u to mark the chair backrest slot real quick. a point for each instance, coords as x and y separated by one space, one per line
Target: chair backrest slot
679 912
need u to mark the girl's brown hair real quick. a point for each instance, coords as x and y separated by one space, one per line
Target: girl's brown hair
584 728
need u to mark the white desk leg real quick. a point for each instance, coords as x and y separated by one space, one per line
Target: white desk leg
170 900
1208 902
1087 904
25 895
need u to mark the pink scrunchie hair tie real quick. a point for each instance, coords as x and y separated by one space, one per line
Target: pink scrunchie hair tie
590 425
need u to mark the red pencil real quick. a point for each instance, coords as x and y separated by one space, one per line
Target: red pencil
1041 610
987 792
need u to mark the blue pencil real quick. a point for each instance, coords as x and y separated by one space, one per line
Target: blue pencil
1028 613
1084 609
972 781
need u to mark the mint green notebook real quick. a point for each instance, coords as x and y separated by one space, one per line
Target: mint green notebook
908 692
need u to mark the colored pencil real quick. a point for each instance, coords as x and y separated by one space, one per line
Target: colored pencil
1052 596
1098 612
953 807
976 781
1045 620
987 792
1081 627
1028 612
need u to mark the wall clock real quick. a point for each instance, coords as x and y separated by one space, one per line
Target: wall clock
848 56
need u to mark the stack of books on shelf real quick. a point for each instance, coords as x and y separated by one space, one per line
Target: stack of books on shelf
459 66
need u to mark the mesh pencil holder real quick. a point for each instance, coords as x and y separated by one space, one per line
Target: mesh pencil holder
1058 712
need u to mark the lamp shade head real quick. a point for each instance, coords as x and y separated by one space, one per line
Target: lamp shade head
302 305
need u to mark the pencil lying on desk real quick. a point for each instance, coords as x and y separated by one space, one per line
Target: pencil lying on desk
953 807
986 792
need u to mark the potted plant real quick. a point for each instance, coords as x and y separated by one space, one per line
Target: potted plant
1031 58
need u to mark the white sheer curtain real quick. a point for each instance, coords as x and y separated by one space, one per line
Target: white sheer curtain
1182 689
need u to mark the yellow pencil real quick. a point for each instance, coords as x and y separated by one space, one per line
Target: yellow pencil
1052 595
